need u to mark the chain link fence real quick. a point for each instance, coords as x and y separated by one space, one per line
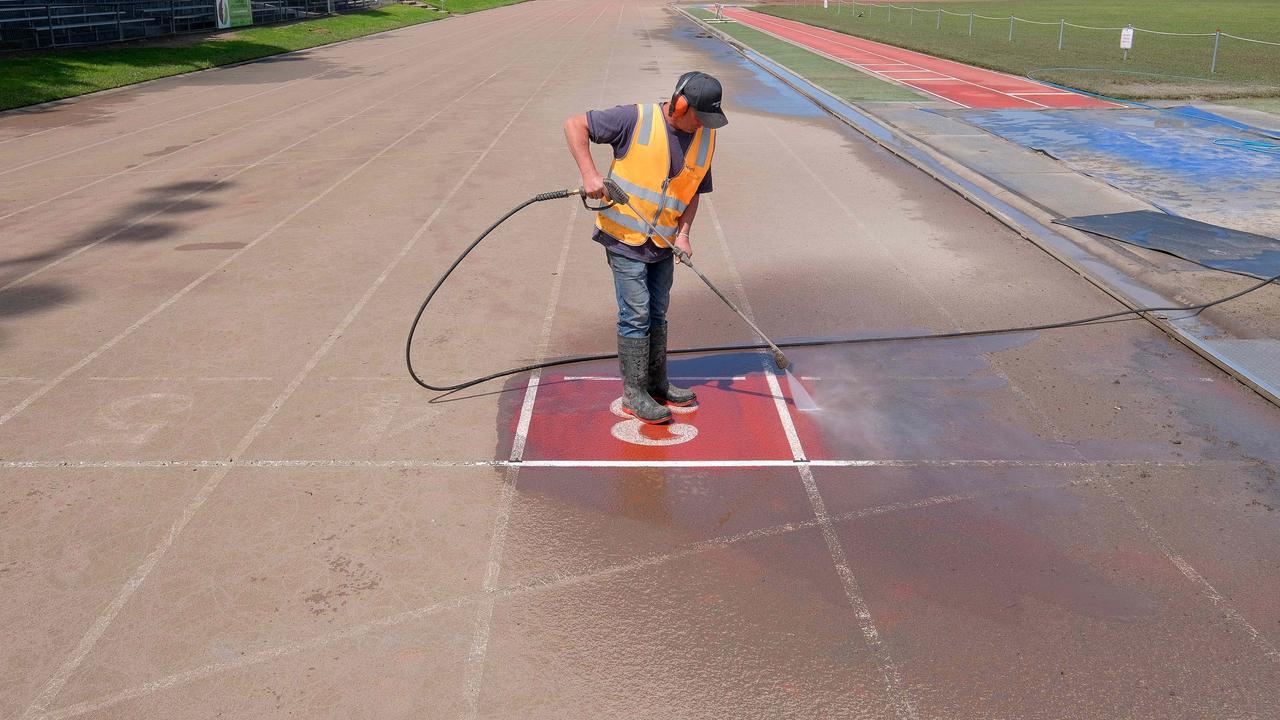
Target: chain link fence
1155 63
40 24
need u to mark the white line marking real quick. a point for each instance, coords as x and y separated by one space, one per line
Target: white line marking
228 260
721 378
163 378
549 582
870 633
222 180
1190 573
474 674
117 138
884 661
784 415
55 684
1184 567
588 463
871 52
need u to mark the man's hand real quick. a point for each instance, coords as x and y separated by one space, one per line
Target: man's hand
593 186
682 244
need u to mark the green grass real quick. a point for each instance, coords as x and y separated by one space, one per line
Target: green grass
840 80
1158 65
38 77
461 7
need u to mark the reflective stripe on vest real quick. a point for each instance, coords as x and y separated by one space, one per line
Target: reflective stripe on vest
643 173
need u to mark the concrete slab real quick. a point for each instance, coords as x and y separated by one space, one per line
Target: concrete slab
1054 591
373 551
287 562
69 541
761 627
578 521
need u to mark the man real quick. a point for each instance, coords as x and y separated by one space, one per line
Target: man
662 159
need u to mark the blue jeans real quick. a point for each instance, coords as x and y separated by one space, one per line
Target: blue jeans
643 292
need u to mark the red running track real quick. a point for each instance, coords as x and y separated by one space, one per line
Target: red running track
964 85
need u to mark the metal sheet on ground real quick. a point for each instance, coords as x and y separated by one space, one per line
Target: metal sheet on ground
1209 245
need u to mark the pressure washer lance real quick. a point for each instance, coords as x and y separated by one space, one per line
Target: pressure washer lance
618 196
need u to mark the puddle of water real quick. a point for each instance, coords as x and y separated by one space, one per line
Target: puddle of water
754 88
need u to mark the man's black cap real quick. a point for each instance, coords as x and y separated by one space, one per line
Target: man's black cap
703 93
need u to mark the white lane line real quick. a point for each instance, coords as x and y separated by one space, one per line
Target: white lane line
784 415
709 378
22 112
871 52
864 67
588 463
497 543
1190 573
117 138
870 633
884 661
163 378
1185 568
553 581
90 639
49 386
72 104
291 111
474 673
243 169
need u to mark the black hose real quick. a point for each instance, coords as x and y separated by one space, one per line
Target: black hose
558 194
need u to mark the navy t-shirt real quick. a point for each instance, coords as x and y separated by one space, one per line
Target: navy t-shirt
614 127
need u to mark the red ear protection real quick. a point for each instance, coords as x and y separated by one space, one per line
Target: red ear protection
679 103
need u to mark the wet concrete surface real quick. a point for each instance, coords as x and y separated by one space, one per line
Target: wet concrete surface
227 499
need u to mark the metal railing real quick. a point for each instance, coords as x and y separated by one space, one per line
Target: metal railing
40 24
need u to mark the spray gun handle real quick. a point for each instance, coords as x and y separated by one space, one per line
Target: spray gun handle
617 196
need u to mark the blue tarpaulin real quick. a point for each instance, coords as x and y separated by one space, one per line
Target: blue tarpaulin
1184 160
1209 245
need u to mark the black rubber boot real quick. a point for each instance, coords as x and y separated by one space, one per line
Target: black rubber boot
633 357
659 386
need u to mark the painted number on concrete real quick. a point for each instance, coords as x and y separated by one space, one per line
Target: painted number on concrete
135 420
630 430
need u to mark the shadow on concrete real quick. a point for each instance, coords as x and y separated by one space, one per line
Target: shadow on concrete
146 220
150 219
28 299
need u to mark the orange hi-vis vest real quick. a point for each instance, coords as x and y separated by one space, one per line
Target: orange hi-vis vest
643 172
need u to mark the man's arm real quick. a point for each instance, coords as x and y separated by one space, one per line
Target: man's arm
576 134
686 221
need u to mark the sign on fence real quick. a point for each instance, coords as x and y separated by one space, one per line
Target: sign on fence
233 13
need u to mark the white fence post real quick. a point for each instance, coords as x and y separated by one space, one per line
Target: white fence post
1010 28
1062 30
970 24
1213 64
